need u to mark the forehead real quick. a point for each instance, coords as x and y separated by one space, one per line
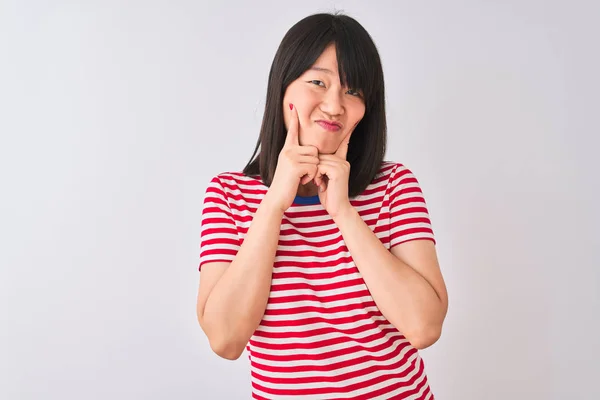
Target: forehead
327 61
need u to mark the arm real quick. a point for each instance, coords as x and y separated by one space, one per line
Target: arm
406 283
232 297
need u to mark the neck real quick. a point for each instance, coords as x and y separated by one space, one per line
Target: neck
310 189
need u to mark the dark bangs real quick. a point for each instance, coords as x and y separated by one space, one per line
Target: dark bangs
359 67
358 61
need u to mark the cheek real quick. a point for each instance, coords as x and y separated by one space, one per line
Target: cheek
292 96
357 116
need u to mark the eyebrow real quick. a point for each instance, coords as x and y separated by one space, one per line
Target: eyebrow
322 69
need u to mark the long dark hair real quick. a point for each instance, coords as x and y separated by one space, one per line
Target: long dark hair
359 68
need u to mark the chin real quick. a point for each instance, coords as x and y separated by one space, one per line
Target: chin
323 148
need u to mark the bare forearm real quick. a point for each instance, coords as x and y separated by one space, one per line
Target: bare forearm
403 296
237 303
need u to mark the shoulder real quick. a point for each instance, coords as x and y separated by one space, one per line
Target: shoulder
393 170
234 181
227 177
398 177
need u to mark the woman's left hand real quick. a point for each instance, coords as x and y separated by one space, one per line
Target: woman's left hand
332 178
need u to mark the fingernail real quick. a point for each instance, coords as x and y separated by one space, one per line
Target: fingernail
291 106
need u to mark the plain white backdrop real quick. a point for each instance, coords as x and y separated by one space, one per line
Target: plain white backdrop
114 115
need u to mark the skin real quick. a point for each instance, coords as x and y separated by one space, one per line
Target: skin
406 282
319 95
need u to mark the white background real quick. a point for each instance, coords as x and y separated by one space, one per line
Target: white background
114 115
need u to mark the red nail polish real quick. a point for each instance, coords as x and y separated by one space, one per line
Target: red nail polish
291 106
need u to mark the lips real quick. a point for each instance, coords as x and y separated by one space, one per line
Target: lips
329 125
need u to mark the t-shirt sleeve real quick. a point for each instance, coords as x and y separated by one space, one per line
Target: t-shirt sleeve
409 217
219 240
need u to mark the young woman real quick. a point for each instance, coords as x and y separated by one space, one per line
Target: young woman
319 257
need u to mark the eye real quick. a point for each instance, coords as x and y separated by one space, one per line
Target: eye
354 92
317 82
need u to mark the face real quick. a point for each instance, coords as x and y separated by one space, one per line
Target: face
327 111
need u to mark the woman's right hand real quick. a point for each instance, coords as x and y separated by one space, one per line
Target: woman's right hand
296 165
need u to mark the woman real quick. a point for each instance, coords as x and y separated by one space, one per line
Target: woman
319 257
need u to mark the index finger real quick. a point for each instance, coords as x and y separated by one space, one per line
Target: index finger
292 134
342 150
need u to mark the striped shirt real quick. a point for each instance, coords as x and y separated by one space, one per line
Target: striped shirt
322 336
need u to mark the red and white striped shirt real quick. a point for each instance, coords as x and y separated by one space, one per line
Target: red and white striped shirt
322 335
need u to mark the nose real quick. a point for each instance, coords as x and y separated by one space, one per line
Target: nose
332 103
